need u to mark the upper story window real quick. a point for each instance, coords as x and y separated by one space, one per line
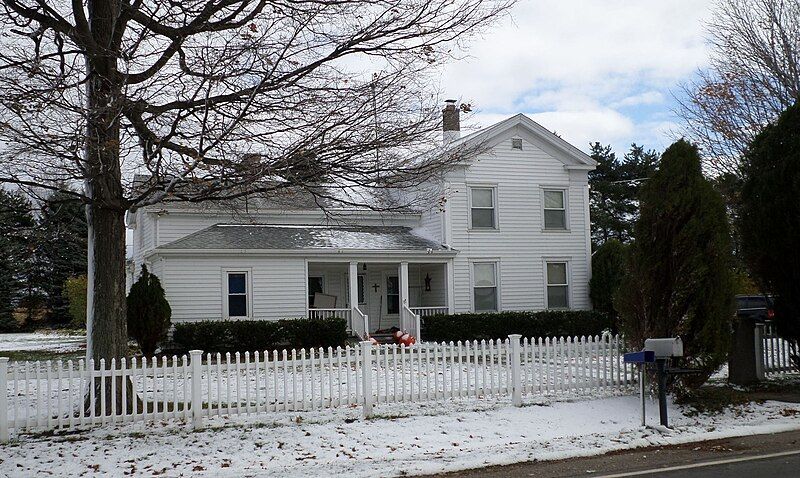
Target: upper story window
484 286
557 285
237 294
516 143
555 211
483 213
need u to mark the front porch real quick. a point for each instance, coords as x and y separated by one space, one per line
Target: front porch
374 296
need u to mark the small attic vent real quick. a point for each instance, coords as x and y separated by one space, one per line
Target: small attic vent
516 143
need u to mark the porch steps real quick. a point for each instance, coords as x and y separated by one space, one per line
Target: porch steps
383 338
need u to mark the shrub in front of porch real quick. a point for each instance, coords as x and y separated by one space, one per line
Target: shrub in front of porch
214 336
499 325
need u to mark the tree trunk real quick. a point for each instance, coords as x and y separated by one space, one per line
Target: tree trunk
107 335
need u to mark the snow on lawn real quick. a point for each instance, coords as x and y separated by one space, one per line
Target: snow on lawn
38 341
402 439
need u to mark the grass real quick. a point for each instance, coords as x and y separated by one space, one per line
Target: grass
32 355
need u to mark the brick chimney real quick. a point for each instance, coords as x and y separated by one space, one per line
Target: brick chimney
451 123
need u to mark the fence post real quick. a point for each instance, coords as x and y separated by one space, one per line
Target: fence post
366 376
516 368
759 351
3 399
197 389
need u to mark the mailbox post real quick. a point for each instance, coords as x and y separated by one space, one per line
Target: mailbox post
641 359
664 350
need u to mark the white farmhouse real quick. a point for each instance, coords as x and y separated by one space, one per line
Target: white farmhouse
512 234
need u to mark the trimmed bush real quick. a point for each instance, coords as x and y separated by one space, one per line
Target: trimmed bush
148 312
499 325
259 335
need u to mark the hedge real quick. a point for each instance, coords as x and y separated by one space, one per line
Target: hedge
259 335
499 325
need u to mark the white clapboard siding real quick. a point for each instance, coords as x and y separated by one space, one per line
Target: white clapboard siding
195 286
41 396
519 244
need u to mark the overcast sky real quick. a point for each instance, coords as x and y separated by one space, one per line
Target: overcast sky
591 70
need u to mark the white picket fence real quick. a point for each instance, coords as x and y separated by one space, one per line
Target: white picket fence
776 352
50 395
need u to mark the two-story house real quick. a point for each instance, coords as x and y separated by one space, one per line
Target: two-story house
512 234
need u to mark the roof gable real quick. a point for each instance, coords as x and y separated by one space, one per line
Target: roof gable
572 157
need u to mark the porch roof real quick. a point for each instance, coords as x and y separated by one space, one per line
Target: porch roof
290 237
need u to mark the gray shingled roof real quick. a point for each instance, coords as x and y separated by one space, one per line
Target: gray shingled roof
257 236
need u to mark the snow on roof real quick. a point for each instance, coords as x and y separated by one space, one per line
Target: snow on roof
283 237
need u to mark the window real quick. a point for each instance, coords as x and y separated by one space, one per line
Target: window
516 143
315 284
237 294
557 285
482 208
392 295
484 286
555 214
362 298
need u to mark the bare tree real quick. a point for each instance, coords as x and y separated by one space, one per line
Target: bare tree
754 75
218 100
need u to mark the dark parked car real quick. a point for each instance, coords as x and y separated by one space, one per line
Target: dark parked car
760 307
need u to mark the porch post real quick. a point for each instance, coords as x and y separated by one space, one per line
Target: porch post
352 277
403 286
450 284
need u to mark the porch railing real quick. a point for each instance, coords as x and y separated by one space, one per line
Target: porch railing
360 323
428 311
409 321
329 314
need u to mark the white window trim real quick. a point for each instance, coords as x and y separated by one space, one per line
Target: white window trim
496 262
248 282
562 260
565 191
495 207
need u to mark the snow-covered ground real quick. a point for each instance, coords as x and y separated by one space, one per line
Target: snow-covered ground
42 342
401 440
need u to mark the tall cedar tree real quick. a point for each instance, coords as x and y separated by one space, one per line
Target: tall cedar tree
148 312
614 189
769 216
16 226
608 269
680 282
62 244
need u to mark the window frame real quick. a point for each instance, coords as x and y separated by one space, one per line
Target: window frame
496 264
363 289
514 142
564 208
495 209
248 285
547 284
386 276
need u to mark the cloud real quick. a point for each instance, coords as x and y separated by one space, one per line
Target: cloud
594 71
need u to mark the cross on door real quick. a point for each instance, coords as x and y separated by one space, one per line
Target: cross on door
376 287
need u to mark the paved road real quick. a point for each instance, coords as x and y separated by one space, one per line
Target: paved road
774 456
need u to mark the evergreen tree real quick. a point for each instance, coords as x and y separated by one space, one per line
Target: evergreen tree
769 216
614 186
608 269
61 247
680 282
16 226
148 312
